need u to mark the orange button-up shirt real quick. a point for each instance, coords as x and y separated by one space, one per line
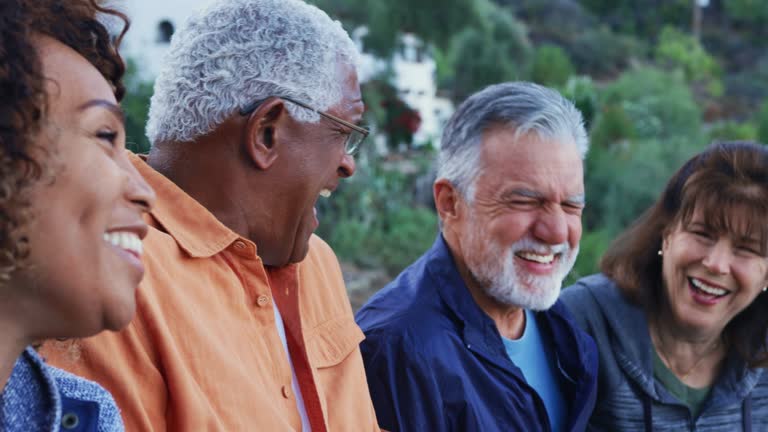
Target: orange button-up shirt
203 352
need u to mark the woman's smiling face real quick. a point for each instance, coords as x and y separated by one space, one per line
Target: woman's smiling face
86 221
711 276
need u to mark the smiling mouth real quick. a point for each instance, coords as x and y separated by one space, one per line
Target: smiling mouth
706 289
325 193
537 258
126 240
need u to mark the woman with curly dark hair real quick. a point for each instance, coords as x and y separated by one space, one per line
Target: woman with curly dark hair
71 208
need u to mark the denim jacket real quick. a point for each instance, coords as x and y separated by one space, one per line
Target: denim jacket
436 362
629 398
38 397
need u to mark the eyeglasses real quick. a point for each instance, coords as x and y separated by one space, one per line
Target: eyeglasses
356 135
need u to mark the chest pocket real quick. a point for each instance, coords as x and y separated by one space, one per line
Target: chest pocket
333 341
78 415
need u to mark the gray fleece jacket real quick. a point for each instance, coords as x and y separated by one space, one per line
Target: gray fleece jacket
628 396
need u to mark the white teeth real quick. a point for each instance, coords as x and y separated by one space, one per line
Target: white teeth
708 288
543 259
125 240
325 193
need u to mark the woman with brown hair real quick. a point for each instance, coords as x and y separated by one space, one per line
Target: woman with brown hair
71 208
680 311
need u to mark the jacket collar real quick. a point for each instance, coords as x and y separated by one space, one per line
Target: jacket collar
576 354
632 346
30 399
195 229
479 329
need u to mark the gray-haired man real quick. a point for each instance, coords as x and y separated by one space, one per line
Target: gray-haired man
467 338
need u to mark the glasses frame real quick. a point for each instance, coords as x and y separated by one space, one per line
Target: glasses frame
248 109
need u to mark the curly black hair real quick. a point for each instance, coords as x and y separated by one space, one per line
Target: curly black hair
23 99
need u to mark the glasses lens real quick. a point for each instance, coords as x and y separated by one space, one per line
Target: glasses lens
353 142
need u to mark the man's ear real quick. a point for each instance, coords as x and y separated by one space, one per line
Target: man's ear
447 200
262 139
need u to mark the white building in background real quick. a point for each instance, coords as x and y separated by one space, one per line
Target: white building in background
414 77
153 23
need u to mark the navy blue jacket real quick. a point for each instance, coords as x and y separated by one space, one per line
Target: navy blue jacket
436 362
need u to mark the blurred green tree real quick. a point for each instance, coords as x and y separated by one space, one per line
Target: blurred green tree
678 50
750 11
135 104
496 51
647 126
551 66
649 103
582 91
731 130
762 123
435 22
641 18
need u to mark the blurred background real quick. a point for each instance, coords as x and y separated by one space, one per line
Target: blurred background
656 80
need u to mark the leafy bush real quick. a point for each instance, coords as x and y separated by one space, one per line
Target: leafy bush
552 20
679 50
641 18
762 123
479 56
750 11
591 248
373 219
135 104
611 127
615 51
622 181
402 236
581 90
551 66
747 89
732 131
386 20
647 126
647 103
349 239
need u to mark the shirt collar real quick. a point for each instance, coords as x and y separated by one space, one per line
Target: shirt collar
455 294
195 229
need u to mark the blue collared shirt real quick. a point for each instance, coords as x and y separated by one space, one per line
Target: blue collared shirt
38 397
436 362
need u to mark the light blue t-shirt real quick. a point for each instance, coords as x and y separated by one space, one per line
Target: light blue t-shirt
533 355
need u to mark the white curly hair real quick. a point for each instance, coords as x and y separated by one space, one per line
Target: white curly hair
238 51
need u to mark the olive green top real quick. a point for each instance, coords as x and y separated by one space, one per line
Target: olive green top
693 397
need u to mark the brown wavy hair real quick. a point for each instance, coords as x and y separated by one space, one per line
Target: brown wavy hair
727 179
23 100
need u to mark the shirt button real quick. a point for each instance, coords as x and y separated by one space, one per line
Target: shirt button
70 421
286 392
262 301
240 245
